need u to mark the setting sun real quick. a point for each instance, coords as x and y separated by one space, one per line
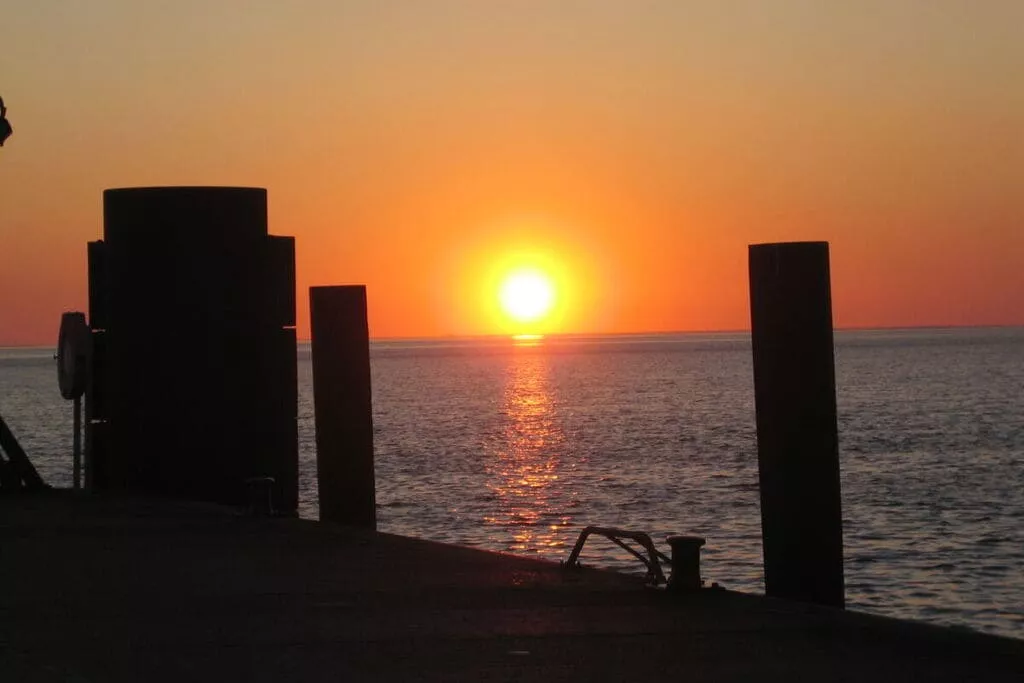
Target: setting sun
526 296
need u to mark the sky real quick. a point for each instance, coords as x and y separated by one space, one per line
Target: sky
631 149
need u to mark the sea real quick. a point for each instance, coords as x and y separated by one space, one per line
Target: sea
515 445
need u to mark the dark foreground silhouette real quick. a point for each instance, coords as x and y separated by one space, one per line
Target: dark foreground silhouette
120 589
5 125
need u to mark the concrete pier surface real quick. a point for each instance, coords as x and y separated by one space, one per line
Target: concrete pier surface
105 589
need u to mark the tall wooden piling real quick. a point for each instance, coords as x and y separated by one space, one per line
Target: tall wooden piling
797 437
342 396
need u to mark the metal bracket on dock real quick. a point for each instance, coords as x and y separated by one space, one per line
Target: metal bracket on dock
685 561
652 561
16 470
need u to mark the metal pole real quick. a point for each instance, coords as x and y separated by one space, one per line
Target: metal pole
76 447
797 435
340 346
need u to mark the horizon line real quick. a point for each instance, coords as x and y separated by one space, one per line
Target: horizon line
647 333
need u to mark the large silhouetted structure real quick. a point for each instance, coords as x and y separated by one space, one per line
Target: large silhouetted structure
192 306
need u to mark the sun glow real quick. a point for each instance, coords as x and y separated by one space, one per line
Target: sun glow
526 296
523 282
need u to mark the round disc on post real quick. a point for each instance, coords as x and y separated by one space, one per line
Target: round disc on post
73 347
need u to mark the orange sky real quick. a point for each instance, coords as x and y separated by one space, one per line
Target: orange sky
635 147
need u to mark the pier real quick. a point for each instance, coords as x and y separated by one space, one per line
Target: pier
138 589
182 559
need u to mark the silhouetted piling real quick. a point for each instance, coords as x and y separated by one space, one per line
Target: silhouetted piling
797 439
342 395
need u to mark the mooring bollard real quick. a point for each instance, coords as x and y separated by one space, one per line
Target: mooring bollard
261 496
685 563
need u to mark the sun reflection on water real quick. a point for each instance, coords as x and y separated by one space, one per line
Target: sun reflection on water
524 468
526 340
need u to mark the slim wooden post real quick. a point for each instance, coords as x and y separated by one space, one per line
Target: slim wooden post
343 405
797 436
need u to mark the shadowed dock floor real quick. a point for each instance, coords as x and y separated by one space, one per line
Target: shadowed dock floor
141 590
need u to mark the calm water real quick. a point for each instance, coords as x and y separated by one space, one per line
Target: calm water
515 448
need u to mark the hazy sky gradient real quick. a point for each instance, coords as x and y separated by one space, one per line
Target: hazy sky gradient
638 146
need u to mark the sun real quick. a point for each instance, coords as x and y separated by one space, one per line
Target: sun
526 296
